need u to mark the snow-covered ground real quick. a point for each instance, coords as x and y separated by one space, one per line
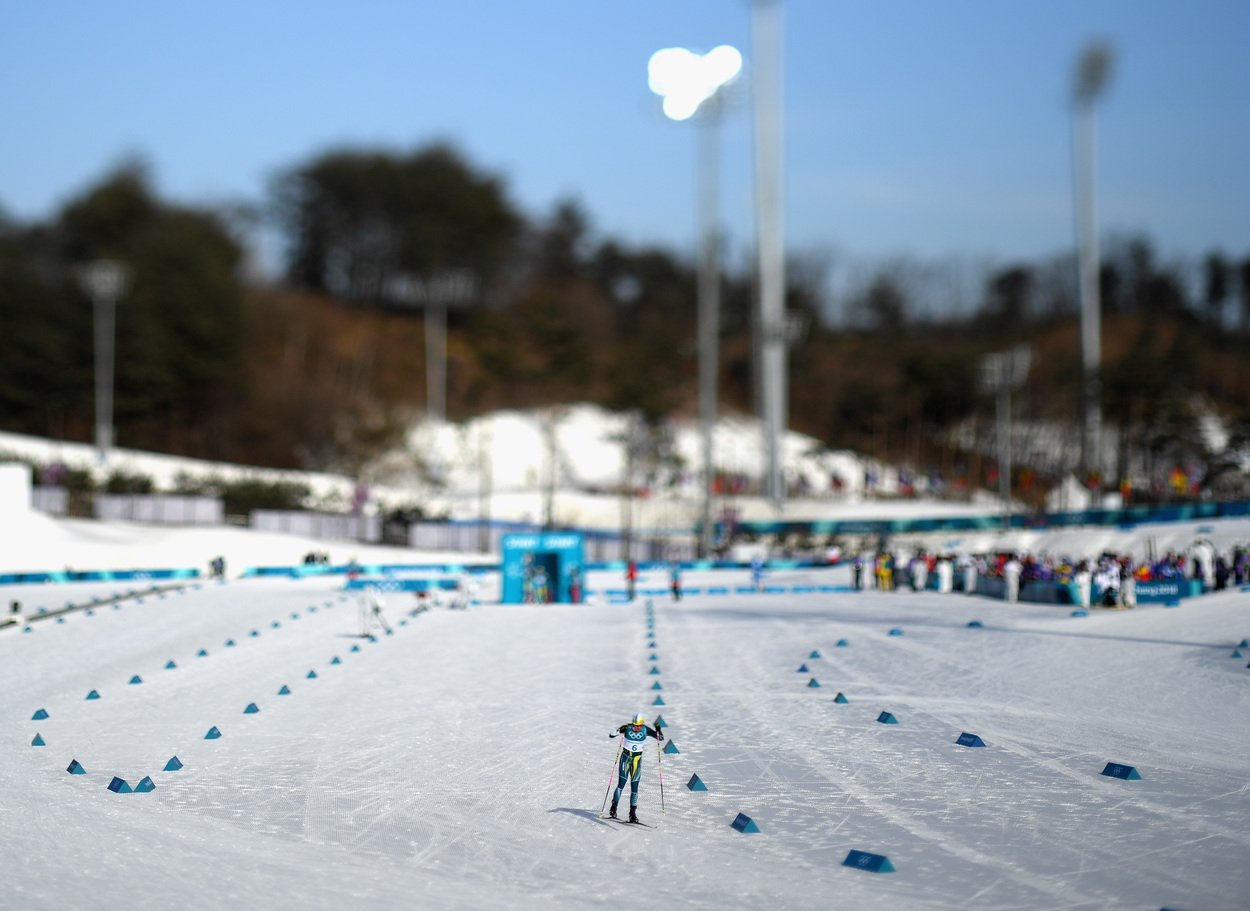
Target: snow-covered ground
461 762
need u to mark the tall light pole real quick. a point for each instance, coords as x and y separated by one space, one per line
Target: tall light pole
766 43
1093 70
436 293
689 82
105 280
1002 374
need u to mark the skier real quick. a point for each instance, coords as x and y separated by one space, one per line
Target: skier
629 764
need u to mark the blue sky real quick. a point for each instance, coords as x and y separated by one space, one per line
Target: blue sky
911 128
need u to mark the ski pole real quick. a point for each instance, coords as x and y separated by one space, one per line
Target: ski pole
620 745
659 759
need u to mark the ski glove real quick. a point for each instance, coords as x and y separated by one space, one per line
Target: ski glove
659 733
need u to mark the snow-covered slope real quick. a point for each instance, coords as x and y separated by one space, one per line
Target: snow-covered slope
460 762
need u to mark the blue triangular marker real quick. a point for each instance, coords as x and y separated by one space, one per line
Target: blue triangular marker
285 691
1236 653
145 785
136 679
120 786
657 686
170 664
311 675
75 768
173 765
842 643
660 722
896 631
815 653
841 699
94 694
39 715
38 741
658 700
873 863
671 748
803 669
355 648
255 634
887 718
251 709
213 733
969 740
336 660
201 654
975 624
654 670
744 824
229 643
813 683
276 625
696 783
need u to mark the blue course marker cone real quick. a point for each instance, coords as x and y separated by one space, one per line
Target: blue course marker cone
170 664
1236 653
355 648
802 669
202 653
671 748
75 768
38 741
285 691
120 786
975 624
654 669
873 863
229 643
311 675
696 783
213 733
841 699
887 718
255 634
660 722
843 643
896 631
145 785
744 824
969 740
136 679
1126 772
39 715
173 765
1244 643
652 657
275 625
94 694
658 700
336 660
251 709
813 684
815 653
657 686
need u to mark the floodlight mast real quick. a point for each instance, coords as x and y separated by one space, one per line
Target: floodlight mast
1093 71
106 281
690 83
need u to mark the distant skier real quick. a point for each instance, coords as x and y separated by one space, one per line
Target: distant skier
371 604
629 763
674 580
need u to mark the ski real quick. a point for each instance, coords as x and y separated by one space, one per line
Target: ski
625 822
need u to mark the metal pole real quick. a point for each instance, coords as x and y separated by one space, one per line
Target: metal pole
1091 316
105 336
436 356
709 303
766 39
1004 449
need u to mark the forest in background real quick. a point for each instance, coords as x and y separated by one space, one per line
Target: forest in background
325 368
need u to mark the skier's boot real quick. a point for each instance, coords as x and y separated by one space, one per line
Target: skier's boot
612 810
633 814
